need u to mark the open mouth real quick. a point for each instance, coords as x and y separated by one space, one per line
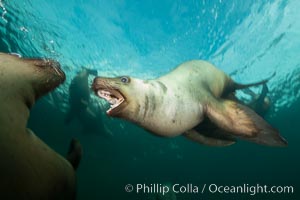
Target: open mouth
113 97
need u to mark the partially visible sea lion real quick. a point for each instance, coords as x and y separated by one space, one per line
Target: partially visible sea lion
79 95
80 103
29 168
194 99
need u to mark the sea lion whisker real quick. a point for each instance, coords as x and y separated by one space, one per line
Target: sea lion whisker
57 72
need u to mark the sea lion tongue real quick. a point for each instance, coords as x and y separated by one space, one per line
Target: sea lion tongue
113 97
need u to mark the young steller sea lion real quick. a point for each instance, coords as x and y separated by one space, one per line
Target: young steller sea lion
29 168
195 99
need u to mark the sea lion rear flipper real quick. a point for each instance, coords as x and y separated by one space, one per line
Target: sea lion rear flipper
203 139
74 153
243 122
238 86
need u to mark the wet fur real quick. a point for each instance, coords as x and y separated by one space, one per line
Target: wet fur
180 100
30 169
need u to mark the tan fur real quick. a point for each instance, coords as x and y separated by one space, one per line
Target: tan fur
29 169
179 101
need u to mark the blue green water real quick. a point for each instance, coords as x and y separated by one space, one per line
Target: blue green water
248 39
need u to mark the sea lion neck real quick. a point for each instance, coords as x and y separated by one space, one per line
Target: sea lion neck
15 106
148 102
14 112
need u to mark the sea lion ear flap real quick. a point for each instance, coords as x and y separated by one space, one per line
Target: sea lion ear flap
241 121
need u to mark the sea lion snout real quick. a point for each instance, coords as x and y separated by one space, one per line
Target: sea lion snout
42 74
95 84
110 89
101 83
45 62
49 64
46 66
48 75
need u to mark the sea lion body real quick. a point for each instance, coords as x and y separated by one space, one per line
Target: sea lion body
179 101
79 96
30 169
80 106
171 91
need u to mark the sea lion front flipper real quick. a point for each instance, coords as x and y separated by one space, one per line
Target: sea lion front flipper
243 122
208 133
91 113
75 153
203 139
84 102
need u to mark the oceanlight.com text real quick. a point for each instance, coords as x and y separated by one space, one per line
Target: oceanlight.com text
250 189
189 188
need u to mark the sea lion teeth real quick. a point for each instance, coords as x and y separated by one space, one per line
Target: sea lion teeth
103 94
114 98
113 101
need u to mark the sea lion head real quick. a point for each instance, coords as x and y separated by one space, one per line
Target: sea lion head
29 78
121 92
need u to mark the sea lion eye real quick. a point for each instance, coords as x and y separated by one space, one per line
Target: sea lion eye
125 79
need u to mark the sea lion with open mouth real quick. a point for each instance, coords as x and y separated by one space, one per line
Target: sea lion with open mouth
195 99
29 168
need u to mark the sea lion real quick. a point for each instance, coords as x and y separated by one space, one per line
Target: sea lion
80 106
79 95
29 168
194 99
